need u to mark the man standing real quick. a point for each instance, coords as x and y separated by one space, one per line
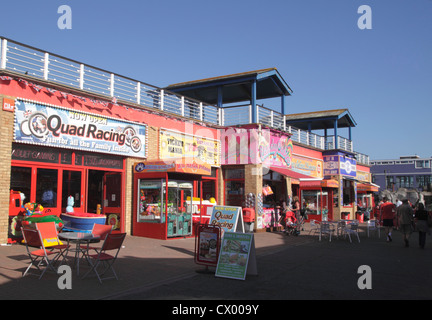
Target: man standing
388 211
405 215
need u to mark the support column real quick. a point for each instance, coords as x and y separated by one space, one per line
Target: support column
253 102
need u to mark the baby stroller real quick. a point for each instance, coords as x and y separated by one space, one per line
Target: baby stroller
292 224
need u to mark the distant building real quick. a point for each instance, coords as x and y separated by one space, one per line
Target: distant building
410 172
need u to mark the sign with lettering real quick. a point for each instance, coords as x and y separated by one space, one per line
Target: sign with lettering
275 150
227 218
207 244
8 105
174 144
237 256
63 128
336 164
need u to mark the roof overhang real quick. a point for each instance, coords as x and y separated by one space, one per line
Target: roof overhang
321 119
235 87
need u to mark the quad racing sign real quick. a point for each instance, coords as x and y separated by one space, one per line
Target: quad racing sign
64 128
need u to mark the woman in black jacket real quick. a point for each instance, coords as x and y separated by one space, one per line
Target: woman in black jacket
421 218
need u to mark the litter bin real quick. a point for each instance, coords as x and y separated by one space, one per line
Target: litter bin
360 216
248 219
345 215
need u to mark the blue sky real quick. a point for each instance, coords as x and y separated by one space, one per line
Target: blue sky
382 75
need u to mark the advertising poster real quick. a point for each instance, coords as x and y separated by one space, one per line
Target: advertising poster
63 128
237 256
207 245
175 144
229 219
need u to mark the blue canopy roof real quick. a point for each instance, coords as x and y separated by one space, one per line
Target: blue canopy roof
235 87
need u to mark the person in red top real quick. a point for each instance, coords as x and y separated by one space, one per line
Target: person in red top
388 211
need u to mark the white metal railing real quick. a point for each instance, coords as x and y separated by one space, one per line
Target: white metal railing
28 60
31 61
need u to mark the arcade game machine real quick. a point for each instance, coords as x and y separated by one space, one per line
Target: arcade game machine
163 196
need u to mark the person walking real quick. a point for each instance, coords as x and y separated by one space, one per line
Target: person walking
405 214
421 221
388 211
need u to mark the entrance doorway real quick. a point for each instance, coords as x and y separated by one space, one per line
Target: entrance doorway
104 192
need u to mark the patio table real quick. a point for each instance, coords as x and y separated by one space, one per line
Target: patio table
78 238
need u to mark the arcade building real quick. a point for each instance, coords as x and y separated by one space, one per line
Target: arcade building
155 160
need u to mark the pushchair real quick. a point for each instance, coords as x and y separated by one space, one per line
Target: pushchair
293 225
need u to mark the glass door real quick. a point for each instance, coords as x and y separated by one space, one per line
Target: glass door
112 191
73 186
179 204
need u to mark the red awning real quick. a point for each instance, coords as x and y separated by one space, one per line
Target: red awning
289 173
320 183
365 186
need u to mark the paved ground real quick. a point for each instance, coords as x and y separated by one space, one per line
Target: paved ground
288 268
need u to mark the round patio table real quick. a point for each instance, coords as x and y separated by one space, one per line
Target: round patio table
78 238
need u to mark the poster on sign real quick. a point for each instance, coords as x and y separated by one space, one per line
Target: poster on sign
229 219
237 256
207 244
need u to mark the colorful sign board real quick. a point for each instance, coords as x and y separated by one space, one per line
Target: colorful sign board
336 164
229 219
253 145
63 128
309 167
237 256
174 144
184 165
207 244
275 150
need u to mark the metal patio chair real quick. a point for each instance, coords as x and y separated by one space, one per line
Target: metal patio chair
373 225
352 229
113 242
49 235
33 239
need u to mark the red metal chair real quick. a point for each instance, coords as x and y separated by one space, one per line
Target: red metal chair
113 242
33 239
49 234
100 230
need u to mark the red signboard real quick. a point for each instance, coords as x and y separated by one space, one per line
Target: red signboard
8 105
207 244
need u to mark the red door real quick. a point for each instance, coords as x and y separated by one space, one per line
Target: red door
112 199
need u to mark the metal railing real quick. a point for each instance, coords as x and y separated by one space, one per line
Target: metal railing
31 61
27 60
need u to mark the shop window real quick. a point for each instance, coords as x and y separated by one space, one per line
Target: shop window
348 193
46 187
234 193
150 205
234 186
21 181
71 187
311 202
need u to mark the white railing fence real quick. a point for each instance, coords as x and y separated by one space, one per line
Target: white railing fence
37 63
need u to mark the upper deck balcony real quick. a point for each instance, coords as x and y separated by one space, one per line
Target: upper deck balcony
21 60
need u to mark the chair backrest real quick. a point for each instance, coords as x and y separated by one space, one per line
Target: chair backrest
113 241
325 226
101 230
32 237
48 233
314 222
354 226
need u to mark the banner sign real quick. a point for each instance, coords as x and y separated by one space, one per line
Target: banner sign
237 256
227 218
174 144
275 150
63 128
336 164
